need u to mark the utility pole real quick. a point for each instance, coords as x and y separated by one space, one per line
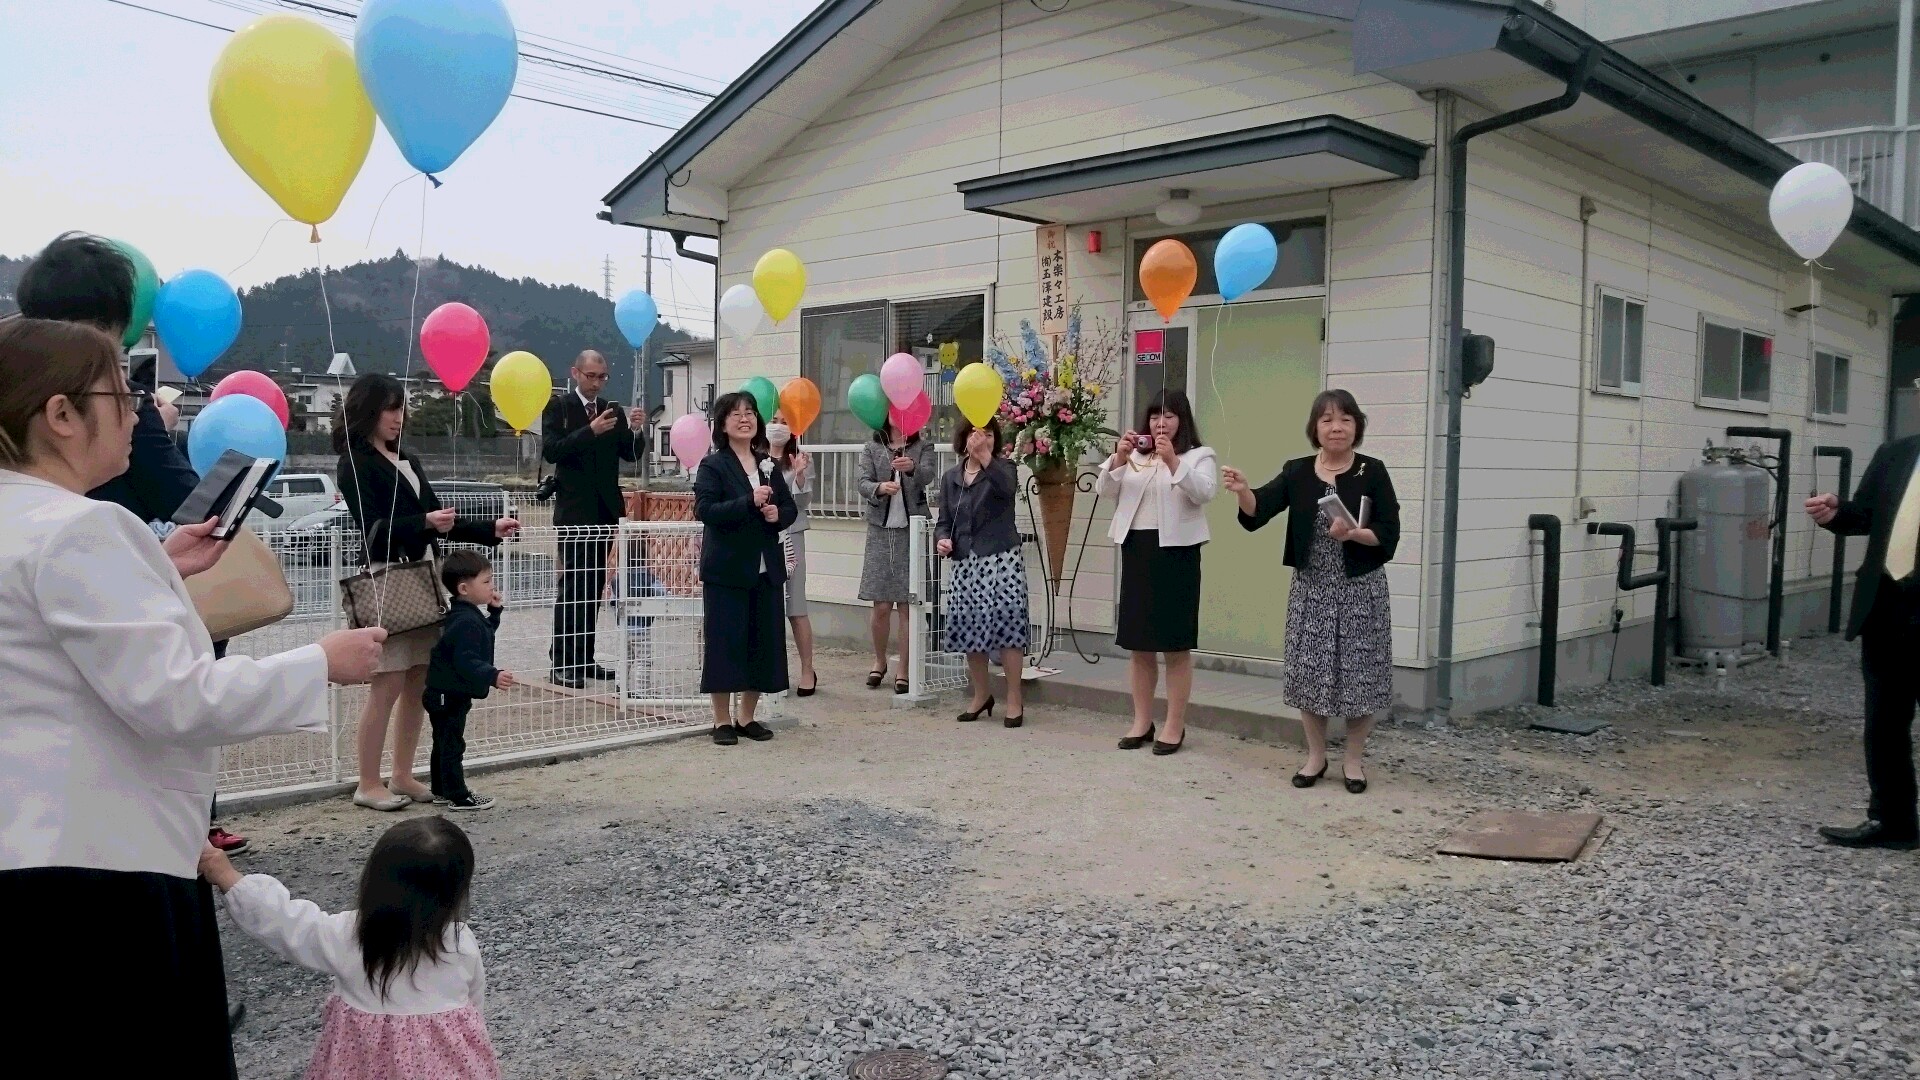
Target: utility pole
641 377
606 279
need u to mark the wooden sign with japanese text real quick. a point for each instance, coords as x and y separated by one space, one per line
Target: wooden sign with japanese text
1050 242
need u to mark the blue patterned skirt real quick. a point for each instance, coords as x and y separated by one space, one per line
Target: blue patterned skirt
987 604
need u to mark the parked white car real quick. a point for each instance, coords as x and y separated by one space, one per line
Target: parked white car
300 494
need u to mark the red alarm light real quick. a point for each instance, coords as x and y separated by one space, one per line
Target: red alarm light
1093 242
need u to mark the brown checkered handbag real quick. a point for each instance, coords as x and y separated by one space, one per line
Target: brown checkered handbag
397 598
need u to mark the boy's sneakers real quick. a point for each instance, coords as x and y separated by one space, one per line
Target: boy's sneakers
226 842
469 801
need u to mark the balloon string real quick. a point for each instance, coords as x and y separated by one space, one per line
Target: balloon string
1213 377
383 205
262 247
406 370
358 509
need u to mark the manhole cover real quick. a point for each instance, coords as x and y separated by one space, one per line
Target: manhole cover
1523 837
897 1065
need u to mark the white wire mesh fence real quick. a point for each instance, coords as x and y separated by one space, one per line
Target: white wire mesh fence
643 608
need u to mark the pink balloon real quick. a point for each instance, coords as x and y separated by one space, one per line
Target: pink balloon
454 341
909 420
253 384
902 379
691 439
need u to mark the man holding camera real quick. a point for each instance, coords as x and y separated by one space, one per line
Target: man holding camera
585 437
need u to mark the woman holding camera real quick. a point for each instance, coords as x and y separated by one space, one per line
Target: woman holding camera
1339 641
987 595
1162 478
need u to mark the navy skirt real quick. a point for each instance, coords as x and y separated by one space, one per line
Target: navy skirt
1159 595
746 639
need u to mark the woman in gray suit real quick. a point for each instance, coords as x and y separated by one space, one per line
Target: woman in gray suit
894 474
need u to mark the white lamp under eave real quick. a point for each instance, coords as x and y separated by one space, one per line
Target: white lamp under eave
1179 210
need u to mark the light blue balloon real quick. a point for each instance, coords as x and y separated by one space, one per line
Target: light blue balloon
636 314
1243 259
198 316
438 71
235 422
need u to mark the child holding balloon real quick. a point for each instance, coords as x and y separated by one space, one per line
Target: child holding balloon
796 466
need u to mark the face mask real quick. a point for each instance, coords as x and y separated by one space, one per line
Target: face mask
779 434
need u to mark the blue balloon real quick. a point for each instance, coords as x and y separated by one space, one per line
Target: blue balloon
235 422
1243 259
636 314
198 316
438 71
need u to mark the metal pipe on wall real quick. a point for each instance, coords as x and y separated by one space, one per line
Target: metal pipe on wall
1838 585
1548 526
1776 589
1456 314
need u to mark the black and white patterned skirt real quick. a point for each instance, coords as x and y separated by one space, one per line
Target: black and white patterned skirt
1339 658
987 604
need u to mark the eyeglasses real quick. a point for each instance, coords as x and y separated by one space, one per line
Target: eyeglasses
590 376
134 399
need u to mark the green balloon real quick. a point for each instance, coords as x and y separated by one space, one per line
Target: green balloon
766 397
146 286
868 401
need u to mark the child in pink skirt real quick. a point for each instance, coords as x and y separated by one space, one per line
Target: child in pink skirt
408 985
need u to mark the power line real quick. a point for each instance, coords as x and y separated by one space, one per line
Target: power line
522 97
605 72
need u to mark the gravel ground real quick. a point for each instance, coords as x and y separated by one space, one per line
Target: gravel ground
1035 904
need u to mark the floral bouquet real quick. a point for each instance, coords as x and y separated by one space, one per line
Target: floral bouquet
1053 412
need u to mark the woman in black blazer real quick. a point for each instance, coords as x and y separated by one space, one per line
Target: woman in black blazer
1339 647
387 493
741 498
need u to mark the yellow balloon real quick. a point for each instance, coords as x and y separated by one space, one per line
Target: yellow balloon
521 388
288 105
778 280
977 391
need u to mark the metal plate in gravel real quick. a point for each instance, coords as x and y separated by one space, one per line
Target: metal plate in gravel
1506 834
1569 725
897 1065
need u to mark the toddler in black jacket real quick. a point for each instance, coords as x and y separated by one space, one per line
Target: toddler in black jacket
461 670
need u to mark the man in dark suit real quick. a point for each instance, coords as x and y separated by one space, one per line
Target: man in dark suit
585 437
1885 509
84 279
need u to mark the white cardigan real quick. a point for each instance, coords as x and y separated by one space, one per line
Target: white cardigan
300 931
1183 501
111 703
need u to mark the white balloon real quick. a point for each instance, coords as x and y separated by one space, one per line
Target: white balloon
1810 208
741 313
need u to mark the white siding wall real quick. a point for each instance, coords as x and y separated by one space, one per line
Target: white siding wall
1523 288
866 197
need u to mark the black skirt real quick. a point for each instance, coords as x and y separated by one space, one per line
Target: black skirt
746 639
1159 595
121 969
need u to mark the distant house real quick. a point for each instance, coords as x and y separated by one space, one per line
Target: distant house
687 385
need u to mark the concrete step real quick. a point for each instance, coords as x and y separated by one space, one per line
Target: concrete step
1247 706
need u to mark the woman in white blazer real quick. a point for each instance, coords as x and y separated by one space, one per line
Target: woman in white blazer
112 708
1163 479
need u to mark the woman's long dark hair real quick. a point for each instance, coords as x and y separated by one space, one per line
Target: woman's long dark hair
412 892
1175 402
370 395
724 408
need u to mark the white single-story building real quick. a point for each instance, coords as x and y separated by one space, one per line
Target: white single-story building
916 154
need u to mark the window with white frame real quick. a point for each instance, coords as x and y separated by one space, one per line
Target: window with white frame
1619 342
1736 365
1831 374
840 344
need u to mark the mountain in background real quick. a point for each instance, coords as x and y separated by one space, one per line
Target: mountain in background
286 319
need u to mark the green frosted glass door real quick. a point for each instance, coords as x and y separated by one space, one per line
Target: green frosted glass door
1255 370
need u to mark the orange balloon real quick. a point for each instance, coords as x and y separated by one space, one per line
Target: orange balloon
1167 274
800 401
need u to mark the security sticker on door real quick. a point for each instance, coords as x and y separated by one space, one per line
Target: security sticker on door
1149 347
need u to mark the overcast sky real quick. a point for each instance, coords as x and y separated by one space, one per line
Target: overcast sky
104 127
